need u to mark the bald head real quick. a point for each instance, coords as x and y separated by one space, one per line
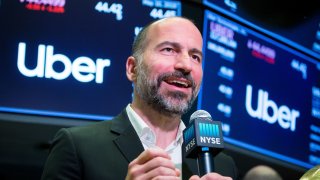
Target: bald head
142 39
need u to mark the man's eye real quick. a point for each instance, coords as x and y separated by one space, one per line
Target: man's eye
197 58
168 49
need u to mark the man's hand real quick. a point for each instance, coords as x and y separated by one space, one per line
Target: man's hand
152 164
210 176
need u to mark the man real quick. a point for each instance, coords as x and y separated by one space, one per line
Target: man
144 141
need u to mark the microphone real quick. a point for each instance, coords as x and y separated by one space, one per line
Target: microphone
203 140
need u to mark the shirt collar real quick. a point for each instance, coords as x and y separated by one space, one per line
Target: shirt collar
144 132
138 124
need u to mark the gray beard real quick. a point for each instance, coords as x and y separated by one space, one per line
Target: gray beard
172 104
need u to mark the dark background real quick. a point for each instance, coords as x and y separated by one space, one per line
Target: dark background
25 139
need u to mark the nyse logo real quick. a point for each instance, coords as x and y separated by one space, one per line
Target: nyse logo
189 138
209 133
190 144
285 117
83 69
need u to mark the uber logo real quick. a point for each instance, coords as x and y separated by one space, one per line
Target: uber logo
285 117
83 68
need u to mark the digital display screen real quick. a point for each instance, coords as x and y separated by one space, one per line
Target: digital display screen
266 94
296 24
67 58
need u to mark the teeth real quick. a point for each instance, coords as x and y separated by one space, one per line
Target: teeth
179 82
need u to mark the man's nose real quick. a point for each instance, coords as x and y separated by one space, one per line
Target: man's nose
183 63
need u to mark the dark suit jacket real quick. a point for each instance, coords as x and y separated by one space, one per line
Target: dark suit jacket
103 151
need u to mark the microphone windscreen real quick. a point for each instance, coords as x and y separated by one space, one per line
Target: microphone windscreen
200 114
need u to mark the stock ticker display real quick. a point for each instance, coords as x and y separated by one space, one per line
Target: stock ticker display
294 23
67 58
266 94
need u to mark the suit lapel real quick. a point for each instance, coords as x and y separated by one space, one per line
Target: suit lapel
128 141
131 147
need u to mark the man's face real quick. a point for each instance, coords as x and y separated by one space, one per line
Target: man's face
169 76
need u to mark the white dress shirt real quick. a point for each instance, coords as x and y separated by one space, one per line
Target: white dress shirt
148 137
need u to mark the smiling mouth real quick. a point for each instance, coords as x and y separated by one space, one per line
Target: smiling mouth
179 82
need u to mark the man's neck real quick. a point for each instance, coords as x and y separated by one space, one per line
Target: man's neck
165 127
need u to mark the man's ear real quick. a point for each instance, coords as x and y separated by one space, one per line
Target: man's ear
131 68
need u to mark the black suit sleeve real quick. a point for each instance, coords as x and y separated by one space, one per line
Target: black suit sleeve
62 162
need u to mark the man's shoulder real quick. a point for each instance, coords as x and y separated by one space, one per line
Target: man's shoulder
100 125
85 133
96 129
97 125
